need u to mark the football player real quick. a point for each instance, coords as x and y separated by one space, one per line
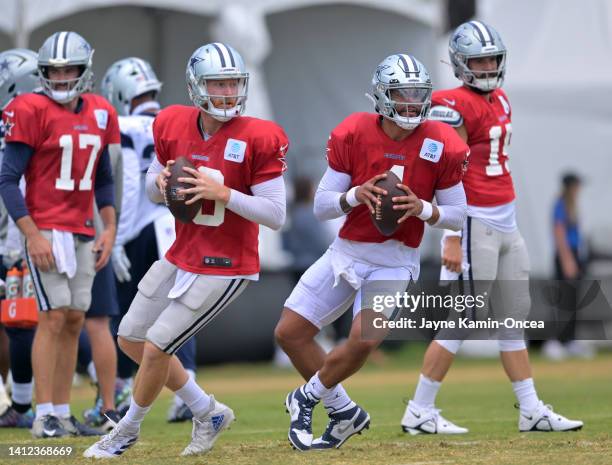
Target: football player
489 246
18 75
61 141
132 87
240 161
428 158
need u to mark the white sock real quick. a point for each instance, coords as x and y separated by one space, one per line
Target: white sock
316 387
526 395
195 398
44 409
91 371
426 392
177 399
336 398
22 393
62 410
135 414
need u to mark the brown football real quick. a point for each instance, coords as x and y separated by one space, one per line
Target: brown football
385 218
174 200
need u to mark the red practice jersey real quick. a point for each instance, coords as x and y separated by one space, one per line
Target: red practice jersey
487 181
60 176
244 152
432 157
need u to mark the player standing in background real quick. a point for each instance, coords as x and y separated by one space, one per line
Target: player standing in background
429 159
132 87
490 246
61 141
18 75
240 161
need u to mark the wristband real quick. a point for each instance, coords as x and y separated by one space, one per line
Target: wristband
351 197
427 211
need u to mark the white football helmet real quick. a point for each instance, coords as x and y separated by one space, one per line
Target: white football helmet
66 49
401 90
18 74
217 61
127 79
476 39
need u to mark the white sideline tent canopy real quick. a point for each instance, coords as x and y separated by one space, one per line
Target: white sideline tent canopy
559 83
310 60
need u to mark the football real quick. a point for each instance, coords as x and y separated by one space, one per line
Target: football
175 201
384 217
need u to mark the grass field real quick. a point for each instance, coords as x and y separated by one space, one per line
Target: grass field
476 395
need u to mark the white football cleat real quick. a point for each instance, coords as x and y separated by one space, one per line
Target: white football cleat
418 420
543 418
207 429
113 444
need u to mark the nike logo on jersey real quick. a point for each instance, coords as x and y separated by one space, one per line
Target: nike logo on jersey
10 114
450 102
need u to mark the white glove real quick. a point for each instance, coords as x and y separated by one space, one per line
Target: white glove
121 264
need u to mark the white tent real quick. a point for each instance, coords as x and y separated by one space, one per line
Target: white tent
558 80
310 60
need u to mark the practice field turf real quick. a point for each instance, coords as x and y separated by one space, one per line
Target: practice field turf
476 395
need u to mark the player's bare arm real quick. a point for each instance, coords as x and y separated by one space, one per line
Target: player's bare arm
104 244
39 248
366 193
204 187
452 255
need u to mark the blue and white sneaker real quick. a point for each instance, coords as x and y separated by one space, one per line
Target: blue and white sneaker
113 444
343 423
206 430
299 404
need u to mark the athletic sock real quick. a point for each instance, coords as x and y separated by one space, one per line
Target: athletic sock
44 409
62 410
315 387
195 398
336 398
526 395
426 392
134 416
22 394
177 399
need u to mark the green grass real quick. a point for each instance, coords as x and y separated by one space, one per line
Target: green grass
476 395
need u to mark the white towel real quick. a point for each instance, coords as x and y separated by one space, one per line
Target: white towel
182 282
344 267
64 253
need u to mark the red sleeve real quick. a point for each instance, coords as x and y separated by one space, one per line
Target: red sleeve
454 165
338 152
269 156
22 123
158 129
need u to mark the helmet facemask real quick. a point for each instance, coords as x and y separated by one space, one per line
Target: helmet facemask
206 95
405 105
74 87
485 81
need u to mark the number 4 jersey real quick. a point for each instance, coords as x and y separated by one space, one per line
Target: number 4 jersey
60 176
243 152
487 181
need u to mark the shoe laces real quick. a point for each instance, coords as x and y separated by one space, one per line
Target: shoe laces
116 434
